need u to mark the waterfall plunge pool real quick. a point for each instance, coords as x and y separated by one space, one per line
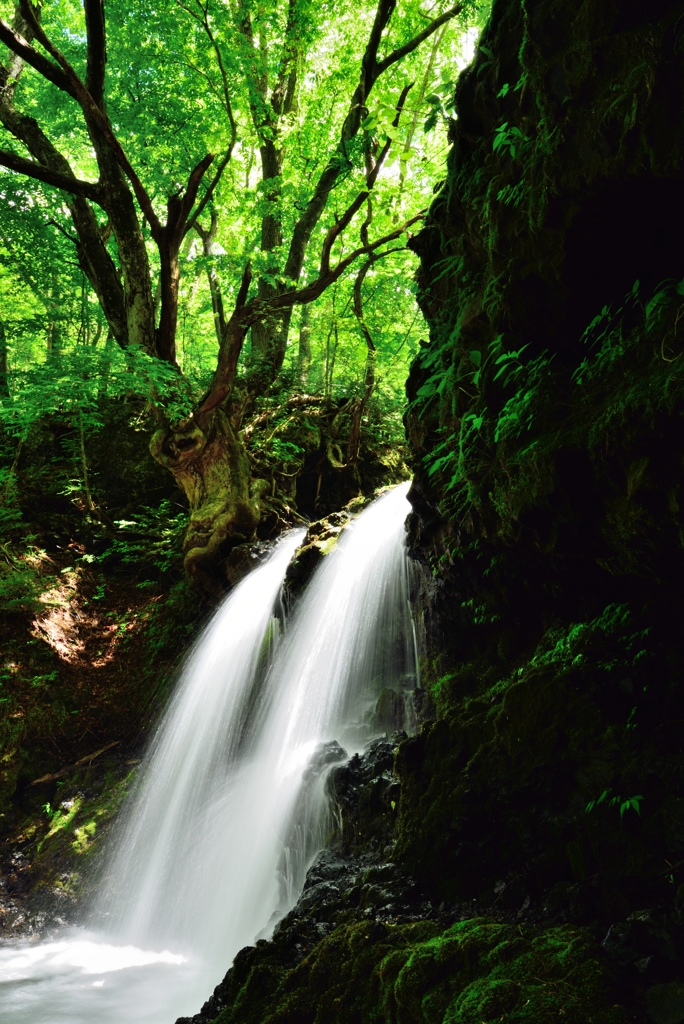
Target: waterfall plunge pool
82 977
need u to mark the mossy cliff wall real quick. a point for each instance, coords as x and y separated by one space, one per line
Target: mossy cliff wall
537 859
547 424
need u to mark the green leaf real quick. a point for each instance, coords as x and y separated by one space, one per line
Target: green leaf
660 296
431 120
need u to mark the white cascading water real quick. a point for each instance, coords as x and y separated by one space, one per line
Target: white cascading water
177 859
230 808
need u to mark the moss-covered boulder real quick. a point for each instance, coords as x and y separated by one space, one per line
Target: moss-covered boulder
476 971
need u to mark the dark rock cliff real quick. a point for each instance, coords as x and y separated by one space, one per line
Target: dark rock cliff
534 858
546 421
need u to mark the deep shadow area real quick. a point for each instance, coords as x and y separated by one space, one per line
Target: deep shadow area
624 232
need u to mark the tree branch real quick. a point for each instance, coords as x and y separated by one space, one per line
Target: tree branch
331 172
247 313
17 44
319 285
371 178
94 118
371 69
244 288
67 234
192 222
369 376
75 186
357 303
214 285
282 95
192 188
97 50
94 259
204 21
230 349
10 73
403 51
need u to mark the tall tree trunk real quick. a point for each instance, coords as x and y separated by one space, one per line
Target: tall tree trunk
208 237
304 353
133 258
54 308
4 382
269 336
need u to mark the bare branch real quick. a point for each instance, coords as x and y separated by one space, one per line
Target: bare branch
76 187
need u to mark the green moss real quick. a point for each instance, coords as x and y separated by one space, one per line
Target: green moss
505 785
473 972
63 839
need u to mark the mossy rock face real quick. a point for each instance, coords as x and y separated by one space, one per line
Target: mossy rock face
547 425
473 972
46 862
365 792
547 407
565 772
321 538
365 945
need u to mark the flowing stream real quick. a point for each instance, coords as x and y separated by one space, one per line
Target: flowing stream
230 808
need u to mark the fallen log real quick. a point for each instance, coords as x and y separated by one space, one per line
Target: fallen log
65 771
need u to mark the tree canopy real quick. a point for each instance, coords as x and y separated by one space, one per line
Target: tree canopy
208 204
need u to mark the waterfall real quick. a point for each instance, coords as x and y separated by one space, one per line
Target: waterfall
176 845
351 636
230 808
